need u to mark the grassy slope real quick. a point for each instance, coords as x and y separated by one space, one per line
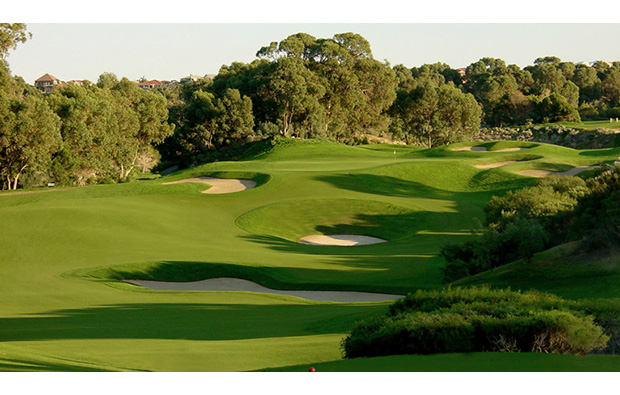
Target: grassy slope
53 318
557 271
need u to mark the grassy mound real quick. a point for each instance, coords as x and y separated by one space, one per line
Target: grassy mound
292 220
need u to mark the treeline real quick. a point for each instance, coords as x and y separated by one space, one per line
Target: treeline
554 211
78 134
309 87
302 86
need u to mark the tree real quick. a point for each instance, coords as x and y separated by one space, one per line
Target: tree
295 91
513 108
29 135
610 87
555 108
10 35
433 115
586 79
107 80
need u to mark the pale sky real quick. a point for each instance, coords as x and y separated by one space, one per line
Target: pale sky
170 51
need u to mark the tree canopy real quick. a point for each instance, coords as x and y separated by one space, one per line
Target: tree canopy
12 34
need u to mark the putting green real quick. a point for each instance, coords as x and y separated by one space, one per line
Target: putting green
63 254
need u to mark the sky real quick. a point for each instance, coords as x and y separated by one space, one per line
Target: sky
137 39
170 51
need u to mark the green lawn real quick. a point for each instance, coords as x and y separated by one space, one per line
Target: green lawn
63 252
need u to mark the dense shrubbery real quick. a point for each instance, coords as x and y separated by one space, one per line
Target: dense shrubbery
476 319
554 211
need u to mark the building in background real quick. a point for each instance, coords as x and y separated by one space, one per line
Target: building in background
46 83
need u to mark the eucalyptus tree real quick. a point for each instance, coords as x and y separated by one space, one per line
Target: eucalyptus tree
29 135
342 90
433 114
12 34
295 92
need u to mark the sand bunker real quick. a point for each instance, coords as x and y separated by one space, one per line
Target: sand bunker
475 149
494 165
545 173
220 185
340 240
238 285
484 149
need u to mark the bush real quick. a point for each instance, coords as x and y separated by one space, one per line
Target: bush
476 319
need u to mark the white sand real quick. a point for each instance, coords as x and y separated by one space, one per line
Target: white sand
545 173
220 185
228 284
340 240
484 149
510 149
475 149
494 165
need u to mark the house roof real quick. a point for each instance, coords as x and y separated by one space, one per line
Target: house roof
47 77
151 82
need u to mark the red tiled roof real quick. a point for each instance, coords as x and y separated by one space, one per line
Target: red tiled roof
151 82
47 77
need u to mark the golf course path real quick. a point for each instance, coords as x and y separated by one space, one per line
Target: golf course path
220 185
494 165
229 284
340 240
545 173
484 149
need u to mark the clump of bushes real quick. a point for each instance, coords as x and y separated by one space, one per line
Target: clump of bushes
553 211
474 320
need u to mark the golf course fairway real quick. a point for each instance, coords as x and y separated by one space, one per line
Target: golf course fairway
64 256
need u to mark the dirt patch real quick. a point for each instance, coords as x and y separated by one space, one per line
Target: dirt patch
220 185
229 284
30 192
544 173
494 165
340 240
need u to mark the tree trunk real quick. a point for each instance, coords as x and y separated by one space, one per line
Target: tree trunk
16 178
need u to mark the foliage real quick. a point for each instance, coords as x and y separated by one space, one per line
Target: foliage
431 115
10 35
477 319
29 135
554 211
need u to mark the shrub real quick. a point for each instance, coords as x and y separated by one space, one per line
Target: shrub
476 319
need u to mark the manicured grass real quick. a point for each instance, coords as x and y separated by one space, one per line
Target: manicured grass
62 254
472 362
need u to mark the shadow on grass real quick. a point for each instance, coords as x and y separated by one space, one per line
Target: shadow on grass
362 273
391 186
602 153
186 321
